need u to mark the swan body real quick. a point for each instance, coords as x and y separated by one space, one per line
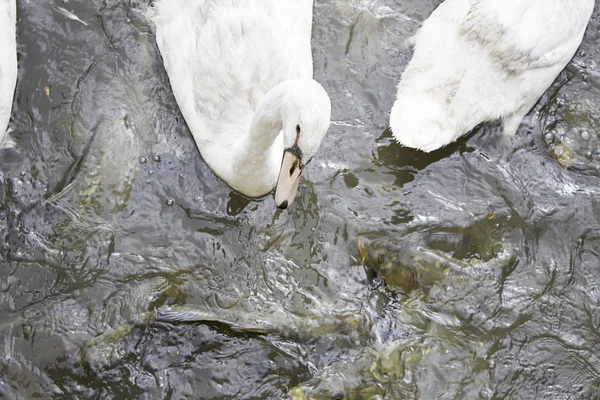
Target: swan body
476 61
8 63
242 74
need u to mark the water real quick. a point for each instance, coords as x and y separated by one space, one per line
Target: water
108 211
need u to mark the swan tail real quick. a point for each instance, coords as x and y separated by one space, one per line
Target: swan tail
7 142
420 122
411 42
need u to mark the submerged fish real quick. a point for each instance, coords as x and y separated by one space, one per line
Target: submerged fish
344 380
102 180
384 366
407 266
379 369
101 349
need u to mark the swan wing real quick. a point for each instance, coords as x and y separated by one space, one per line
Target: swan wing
481 60
8 62
222 57
521 35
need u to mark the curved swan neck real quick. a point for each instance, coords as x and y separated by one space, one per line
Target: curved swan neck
260 143
256 156
267 121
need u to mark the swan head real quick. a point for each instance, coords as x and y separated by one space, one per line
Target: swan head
305 121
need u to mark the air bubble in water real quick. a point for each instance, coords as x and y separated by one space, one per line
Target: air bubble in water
585 135
143 160
156 157
170 202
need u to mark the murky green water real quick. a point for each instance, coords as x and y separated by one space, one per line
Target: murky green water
107 212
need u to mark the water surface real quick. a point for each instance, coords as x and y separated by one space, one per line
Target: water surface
107 211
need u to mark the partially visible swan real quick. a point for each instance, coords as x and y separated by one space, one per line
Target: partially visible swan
242 74
482 60
8 63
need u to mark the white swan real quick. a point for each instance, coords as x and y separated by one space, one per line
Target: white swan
241 72
8 63
482 60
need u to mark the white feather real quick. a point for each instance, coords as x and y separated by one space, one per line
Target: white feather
8 65
241 72
483 60
66 13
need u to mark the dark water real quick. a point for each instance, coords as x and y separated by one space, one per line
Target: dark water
107 212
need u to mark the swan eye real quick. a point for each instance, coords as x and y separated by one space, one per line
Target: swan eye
298 129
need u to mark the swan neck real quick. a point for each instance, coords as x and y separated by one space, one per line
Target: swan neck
257 155
267 121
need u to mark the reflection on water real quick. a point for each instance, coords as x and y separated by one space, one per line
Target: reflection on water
108 213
